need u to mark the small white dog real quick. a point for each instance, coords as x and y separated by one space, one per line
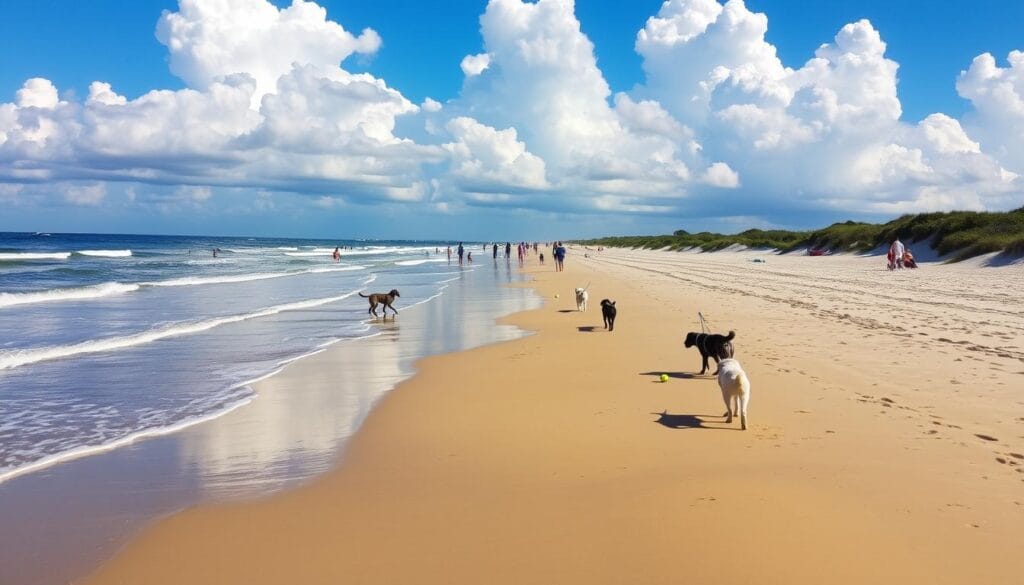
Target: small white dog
581 299
735 390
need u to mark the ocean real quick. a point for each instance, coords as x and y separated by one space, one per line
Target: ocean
107 339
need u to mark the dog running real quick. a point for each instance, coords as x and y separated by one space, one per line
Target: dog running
382 299
735 390
711 345
608 313
581 299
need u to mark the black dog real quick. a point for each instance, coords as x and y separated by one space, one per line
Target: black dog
382 299
711 345
608 312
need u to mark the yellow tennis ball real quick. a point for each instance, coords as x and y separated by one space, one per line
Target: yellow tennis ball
664 377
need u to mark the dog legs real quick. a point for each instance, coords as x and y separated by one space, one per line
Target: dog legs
743 400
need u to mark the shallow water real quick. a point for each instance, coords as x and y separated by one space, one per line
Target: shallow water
58 522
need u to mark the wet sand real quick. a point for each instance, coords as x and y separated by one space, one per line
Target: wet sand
60 523
886 442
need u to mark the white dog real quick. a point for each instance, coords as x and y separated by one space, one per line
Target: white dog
735 390
581 299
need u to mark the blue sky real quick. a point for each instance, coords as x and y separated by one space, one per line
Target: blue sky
486 180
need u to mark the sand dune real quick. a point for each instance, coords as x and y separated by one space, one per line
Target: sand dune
885 443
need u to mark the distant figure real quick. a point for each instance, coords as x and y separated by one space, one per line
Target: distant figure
559 257
495 255
437 250
337 254
908 259
461 252
508 250
215 252
542 257
449 254
897 249
469 257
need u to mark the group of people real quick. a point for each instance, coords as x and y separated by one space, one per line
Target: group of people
522 250
900 256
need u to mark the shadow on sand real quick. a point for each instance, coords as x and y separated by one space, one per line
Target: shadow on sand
689 421
676 375
567 311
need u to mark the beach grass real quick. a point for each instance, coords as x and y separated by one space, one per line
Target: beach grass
960 234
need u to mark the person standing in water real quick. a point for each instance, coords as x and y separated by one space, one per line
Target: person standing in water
508 250
337 254
449 254
495 255
461 252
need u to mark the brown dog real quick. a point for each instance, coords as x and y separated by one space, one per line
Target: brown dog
382 299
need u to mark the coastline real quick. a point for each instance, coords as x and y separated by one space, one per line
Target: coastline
558 457
62 521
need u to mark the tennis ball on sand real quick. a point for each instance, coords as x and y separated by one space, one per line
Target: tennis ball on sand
556 295
664 377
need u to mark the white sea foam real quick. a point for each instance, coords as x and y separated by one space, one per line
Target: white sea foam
10 473
418 262
66 294
106 253
14 358
370 251
15 256
198 280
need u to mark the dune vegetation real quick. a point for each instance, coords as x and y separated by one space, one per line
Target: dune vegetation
959 234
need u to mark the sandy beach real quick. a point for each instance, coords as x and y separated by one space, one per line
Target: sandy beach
886 442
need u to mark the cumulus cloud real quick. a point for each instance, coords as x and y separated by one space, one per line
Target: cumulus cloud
475 64
830 130
543 81
492 161
315 127
997 96
269 106
211 40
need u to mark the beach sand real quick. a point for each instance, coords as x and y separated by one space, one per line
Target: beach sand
886 442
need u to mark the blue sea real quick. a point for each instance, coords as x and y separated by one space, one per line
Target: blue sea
105 339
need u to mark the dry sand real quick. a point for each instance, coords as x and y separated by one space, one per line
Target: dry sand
886 443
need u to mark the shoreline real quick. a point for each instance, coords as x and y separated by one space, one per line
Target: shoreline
283 438
546 464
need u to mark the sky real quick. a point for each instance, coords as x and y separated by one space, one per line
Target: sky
479 120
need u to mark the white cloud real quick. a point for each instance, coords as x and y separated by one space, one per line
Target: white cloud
269 107
997 96
85 194
720 175
431 105
489 160
38 93
211 40
475 64
830 130
544 82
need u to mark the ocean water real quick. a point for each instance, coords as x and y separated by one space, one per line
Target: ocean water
105 339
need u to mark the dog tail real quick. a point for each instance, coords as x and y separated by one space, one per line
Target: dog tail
364 296
730 336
